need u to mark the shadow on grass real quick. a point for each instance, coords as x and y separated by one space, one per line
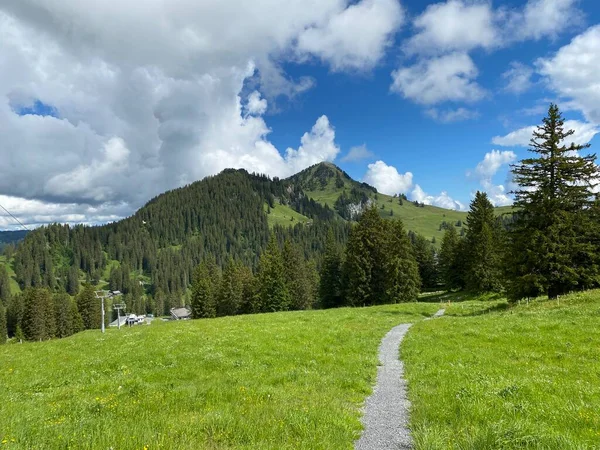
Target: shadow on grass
498 307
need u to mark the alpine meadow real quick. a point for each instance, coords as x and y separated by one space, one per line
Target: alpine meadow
334 224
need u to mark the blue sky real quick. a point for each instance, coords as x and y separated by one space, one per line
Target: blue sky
398 131
104 105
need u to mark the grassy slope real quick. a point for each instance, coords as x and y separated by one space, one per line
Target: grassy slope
277 381
425 221
285 216
495 378
14 286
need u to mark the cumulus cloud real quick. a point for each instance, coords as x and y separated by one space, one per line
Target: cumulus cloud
149 95
476 24
455 34
539 19
518 78
256 105
486 169
584 133
446 32
445 78
574 73
358 153
387 179
451 115
443 200
336 39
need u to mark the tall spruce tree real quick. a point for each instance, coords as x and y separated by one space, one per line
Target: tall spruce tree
402 270
205 290
4 284
364 274
482 243
298 282
451 260
272 290
551 250
380 266
89 307
426 257
330 285
73 281
231 291
63 315
38 315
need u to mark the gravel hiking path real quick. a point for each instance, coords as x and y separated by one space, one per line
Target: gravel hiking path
386 410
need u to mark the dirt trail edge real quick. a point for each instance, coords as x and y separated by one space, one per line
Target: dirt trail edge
385 418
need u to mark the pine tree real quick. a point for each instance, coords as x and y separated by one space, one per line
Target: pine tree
330 286
299 284
4 285
272 291
551 250
14 313
36 323
3 325
451 260
63 315
204 291
482 243
231 291
73 281
89 307
427 261
364 266
401 268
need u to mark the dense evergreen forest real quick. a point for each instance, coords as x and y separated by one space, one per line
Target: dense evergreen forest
209 246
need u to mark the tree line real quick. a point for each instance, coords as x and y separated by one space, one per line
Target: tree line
208 246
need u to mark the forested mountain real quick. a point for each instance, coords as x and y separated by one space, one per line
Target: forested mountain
220 217
230 233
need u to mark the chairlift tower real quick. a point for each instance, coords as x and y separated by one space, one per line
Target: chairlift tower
102 295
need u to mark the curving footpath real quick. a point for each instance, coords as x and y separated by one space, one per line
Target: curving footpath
386 411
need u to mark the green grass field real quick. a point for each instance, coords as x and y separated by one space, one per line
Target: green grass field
14 286
492 377
285 216
272 381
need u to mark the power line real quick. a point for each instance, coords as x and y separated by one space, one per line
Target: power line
18 221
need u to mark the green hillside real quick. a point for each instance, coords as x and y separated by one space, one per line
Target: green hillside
283 215
14 286
490 376
302 376
485 376
227 215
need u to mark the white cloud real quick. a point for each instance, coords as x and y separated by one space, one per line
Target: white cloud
387 179
443 200
463 25
447 31
574 73
256 105
518 78
492 162
358 153
485 171
337 41
451 26
33 213
584 133
539 19
451 115
148 94
446 78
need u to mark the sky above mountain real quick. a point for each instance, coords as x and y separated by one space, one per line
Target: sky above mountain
104 105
